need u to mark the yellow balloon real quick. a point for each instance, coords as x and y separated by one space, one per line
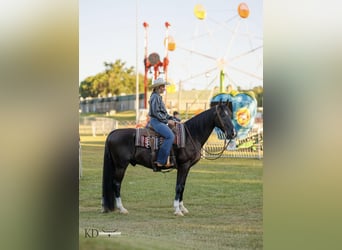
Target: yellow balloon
200 11
171 88
243 10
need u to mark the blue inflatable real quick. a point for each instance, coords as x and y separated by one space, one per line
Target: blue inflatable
244 110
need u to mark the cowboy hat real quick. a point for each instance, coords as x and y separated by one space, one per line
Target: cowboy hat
159 81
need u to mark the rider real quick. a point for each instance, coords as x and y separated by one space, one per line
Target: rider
160 121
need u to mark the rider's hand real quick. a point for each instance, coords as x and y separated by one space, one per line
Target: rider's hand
171 122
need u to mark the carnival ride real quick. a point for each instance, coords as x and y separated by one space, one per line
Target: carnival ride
228 61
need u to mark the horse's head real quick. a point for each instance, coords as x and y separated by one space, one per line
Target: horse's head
223 120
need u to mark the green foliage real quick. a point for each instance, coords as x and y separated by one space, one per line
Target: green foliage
259 95
115 79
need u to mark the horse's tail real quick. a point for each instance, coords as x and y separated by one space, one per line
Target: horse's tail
107 180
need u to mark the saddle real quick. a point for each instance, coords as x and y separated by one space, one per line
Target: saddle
149 138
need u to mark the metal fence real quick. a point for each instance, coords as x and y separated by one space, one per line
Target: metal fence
249 147
97 125
110 104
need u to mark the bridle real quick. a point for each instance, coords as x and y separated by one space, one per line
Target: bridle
225 145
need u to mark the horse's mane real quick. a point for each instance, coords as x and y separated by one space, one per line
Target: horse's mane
201 123
199 120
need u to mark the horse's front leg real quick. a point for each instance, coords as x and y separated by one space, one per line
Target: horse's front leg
118 176
178 205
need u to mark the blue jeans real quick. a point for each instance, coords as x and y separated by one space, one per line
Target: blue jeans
168 135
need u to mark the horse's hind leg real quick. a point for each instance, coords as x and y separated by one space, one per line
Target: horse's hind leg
118 176
108 202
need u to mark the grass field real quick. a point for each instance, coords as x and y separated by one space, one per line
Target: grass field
224 198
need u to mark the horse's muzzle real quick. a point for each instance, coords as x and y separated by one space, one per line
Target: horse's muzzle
232 135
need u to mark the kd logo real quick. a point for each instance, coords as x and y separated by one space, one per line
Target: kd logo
91 233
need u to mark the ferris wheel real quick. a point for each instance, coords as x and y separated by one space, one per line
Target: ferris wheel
224 48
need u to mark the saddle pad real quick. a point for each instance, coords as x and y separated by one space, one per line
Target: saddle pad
144 135
146 141
180 135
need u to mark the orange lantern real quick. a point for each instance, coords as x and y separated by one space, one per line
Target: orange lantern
200 11
243 10
171 44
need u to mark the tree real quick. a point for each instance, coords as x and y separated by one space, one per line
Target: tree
115 79
259 95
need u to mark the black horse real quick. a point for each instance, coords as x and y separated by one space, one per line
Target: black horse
120 150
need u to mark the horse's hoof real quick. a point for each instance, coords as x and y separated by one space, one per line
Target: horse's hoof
124 211
105 210
179 213
184 210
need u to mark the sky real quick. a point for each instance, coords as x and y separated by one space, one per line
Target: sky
111 29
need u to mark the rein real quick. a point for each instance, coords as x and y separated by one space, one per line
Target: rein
219 154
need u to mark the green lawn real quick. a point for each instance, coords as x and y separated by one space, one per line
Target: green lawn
224 198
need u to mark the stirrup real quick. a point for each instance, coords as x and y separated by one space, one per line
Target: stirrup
169 165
